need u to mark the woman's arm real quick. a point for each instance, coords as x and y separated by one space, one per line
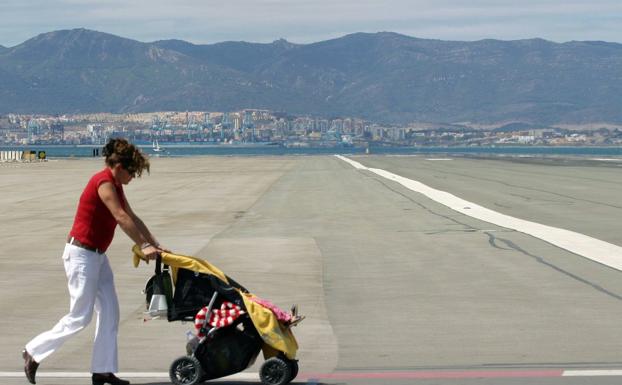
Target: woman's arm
108 195
141 226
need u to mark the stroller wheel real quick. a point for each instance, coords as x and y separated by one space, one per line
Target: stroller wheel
186 370
293 369
275 371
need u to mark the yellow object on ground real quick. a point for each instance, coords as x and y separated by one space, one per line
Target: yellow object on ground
277 336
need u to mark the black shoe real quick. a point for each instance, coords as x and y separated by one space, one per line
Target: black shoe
30 366
108 378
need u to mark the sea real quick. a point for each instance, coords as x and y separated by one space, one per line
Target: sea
187 150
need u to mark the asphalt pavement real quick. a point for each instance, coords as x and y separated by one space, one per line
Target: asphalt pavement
396 287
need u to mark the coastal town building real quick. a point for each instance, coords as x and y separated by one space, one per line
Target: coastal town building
252 125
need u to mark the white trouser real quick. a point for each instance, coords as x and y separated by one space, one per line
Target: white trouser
91 287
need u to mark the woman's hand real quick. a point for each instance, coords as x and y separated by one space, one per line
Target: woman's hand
163 249
149 251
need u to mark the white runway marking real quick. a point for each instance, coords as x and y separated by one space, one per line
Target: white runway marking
606 159
43 374
600 251
591 373
313 378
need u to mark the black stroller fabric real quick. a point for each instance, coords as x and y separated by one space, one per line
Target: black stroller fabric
194 290
230 350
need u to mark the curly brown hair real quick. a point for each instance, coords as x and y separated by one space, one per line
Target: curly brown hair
119 150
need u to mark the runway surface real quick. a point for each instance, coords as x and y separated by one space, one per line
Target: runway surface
397 288
589 247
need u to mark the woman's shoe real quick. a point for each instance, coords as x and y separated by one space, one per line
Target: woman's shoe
108 378
30 366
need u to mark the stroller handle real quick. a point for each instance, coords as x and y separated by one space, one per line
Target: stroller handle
158 264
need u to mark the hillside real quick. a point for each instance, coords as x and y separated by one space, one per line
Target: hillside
383 77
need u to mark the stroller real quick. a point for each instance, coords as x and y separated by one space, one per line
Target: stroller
232 324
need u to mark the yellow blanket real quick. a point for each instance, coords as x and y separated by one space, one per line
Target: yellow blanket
278 337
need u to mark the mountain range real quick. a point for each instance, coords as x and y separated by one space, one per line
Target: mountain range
383 77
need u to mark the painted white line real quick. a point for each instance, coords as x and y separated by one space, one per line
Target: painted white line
434 159
244 376
354 164
42 374
591 373
600 251
606 159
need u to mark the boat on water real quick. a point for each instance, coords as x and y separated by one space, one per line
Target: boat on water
156 146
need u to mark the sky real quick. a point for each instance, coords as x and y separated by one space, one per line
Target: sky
307 21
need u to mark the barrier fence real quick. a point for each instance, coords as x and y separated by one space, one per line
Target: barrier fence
22 156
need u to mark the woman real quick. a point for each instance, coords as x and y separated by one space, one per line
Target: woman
101 207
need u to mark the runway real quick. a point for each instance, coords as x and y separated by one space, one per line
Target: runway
345 376
599 251
391 281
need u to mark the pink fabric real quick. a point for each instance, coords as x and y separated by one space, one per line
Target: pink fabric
278 312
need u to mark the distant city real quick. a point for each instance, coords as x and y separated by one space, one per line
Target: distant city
253 126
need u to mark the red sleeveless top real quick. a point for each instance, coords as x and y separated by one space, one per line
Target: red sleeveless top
94 224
